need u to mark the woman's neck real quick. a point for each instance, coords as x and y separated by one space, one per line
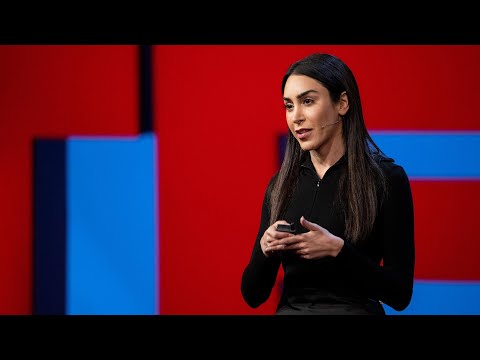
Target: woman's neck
327 155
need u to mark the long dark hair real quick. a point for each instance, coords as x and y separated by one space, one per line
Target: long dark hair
363 186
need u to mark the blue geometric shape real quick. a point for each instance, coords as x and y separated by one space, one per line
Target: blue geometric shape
442 298
49 227
111 225
426 155
433 155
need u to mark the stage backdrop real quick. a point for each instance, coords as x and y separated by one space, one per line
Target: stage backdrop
219 114
218 121
52 92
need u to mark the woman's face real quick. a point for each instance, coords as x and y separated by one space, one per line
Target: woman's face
311 115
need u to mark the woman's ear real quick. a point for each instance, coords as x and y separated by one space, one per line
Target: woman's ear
343 104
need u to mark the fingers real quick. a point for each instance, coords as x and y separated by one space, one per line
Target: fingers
270 236
274 240
308 245
270 241
309 225
286 241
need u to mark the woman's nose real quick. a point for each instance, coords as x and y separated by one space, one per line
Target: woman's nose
297 116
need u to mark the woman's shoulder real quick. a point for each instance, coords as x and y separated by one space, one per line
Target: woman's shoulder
389 166
272 181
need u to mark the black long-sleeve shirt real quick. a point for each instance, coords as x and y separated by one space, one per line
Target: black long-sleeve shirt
357 272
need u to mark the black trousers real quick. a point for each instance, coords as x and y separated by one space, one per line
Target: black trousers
312 304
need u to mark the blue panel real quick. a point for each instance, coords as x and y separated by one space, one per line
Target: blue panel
49 227
439 155
111 235
282 147
442 298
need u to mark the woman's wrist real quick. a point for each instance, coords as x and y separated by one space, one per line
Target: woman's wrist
337 245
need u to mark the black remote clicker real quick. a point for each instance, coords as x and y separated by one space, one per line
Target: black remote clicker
290 228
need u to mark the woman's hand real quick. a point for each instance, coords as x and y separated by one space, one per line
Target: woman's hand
318 242
271 235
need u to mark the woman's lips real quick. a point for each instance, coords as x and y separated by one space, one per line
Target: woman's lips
302 134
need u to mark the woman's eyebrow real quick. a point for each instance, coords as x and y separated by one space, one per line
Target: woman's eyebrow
301 94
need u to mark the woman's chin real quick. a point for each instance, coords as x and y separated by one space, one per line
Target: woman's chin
306 146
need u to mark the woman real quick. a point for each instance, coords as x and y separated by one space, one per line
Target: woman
351 206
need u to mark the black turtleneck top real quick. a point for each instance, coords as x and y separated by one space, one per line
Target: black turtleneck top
378 270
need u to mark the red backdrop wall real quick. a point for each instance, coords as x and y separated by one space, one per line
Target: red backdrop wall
219 110
51 91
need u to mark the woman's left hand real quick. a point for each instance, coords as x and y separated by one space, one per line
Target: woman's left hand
318 242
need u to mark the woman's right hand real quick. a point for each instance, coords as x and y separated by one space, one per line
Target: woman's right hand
270 235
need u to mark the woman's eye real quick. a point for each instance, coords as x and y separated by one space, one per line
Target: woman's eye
307 101
288 106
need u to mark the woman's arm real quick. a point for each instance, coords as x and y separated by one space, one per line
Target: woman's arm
260 274
391 283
